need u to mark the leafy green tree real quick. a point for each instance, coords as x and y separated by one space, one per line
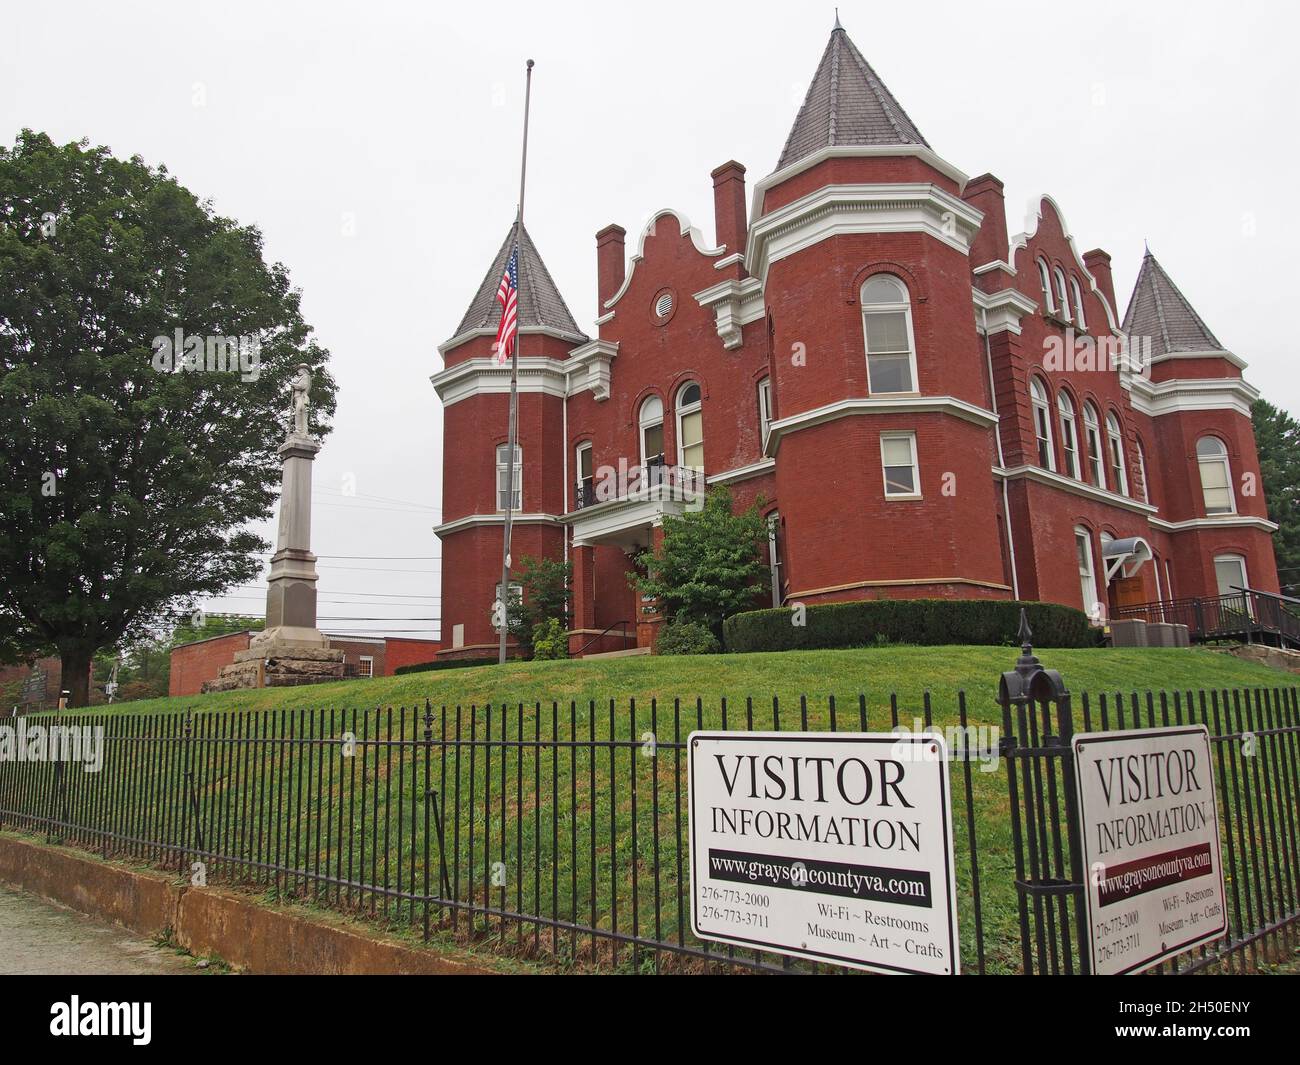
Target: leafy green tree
128 474
1277 436
547 587
711 563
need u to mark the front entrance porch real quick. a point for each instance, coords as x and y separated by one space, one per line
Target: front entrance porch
612 525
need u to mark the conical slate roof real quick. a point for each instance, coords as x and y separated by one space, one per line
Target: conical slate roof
1159 311
847 104
540 302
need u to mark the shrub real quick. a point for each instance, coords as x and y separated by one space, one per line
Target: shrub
550 640
687 638
875 622
453 663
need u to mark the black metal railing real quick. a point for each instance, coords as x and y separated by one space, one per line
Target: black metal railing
1242 614
558 831
624 634
636 482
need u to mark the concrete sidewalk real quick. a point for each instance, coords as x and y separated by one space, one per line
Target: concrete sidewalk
39 938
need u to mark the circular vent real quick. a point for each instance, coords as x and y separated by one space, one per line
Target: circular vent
664 305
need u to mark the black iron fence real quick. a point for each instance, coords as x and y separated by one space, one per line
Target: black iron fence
560 832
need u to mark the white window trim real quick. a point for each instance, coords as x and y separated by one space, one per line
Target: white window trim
1045 282
1241 564
1042 413
1223 460
683 412
645 423
363 660
1069 434
1091 433
1115 452
1079 316
764 410
516 591
891 308
1090 599
1062 291
910 437
518 473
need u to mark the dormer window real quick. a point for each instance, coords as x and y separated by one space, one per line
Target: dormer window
887 324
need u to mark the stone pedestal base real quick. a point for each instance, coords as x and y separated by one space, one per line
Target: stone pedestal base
279 664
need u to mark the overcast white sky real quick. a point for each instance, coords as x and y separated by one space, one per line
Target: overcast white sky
376 145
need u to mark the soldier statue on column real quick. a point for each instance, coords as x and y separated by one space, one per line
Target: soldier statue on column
301 386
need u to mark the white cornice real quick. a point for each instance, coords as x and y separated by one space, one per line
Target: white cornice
588 367
835 210
1157 398
848 408
1219 353
474 521
684 224
475 377
742 473
530 330
1231 521
1069 484
848 151
735 304
1003 309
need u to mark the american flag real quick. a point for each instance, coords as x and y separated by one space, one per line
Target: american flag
508 297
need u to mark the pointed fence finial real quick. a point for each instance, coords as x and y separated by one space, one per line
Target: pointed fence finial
1025 634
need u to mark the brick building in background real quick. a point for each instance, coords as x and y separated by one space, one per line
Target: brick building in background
194 663
864 347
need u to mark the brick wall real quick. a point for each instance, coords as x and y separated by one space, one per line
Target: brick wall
193 663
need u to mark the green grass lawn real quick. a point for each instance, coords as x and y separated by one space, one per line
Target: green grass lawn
907 671
554 809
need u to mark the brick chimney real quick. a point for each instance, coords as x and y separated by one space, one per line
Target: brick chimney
985 194
729 223
610 265
1098 264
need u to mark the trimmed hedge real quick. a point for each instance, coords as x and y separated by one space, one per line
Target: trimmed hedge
866 623
454 663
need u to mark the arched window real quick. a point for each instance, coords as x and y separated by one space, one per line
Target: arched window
1062 293
887 324
1078 303
1045 279
1087 573
1042 424
1092 441
690 428
1142 472
652 431
1216 475
1115 442
1069 434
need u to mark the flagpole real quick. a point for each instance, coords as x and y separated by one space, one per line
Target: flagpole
504 597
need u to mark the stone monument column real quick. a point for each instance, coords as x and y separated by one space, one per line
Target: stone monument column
290 650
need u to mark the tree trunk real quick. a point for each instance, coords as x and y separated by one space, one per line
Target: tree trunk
76 675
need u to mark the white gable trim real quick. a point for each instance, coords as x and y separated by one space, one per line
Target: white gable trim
685 228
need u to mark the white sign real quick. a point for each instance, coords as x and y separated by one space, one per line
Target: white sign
830 846
1150 827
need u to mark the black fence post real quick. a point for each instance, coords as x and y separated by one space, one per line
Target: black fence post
1043 795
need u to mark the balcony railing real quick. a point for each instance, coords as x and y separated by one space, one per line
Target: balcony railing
1242 614
649 480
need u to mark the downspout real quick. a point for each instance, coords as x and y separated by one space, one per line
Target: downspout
1002 464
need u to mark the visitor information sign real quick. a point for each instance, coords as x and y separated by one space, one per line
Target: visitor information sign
1150 845
831 846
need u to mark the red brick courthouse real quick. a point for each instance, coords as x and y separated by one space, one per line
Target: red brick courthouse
928 406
